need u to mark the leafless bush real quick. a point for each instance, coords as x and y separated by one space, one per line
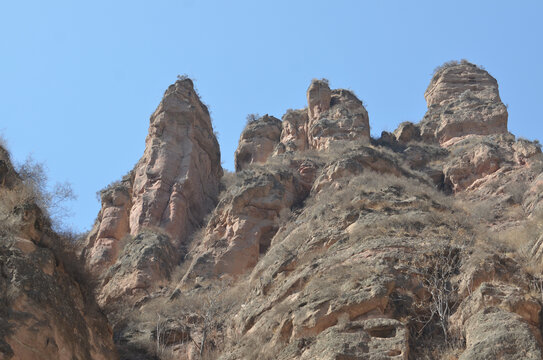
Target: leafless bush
251 118
228 179
430 319
449 64
51 201
323 80
195 319
3 142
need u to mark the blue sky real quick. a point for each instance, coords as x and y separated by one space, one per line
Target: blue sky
79 80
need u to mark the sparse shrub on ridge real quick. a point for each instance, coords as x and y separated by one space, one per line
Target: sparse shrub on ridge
251 118
451 63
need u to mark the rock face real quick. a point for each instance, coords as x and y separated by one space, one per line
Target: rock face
337 246
327 244
331 115
243 224
257 141
46 311
171 188
498 334
463 99
112 226
176 182
294 133
319 97
146 262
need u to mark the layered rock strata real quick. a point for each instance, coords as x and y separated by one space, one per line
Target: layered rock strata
463 99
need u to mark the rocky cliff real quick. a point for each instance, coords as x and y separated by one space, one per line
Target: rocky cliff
47 309
326 243
170 190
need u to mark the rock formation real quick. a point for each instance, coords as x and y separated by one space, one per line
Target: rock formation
326 244
46 308
257 141
463 99
170 190
331 115
176 182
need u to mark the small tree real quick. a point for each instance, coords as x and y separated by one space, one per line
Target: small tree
436 272
51 201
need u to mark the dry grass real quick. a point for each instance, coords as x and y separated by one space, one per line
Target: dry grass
204 312
521 241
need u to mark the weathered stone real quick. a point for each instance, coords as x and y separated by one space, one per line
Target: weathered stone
498 334
463 99
407 132
318 98
257 141
170 190
146 262
243 224
176 182
46 311
294 133
346 119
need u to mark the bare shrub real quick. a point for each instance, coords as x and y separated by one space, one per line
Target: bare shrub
3 142
195 319
451 63
436 272
251 118
51 201
228 179
323 80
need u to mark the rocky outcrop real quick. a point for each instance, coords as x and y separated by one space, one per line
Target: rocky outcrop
176 182
294 133
169 191
243 224
325 243
407 132
112 226
146 262
331 116
474 163
345 119
46 308
44 313
319 97
257 141
498 334
462 99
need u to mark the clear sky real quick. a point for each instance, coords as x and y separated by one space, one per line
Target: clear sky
79 79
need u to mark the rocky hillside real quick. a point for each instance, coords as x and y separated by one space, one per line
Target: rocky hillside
46 309
325 243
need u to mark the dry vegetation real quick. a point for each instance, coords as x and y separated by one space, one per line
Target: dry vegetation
30 209
168 326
